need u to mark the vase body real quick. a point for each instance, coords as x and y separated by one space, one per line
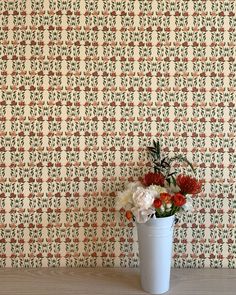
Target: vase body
155 251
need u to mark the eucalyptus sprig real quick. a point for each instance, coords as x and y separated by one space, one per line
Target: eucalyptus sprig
163 165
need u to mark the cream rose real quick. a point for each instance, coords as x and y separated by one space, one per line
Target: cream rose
143 198
157 189
124 199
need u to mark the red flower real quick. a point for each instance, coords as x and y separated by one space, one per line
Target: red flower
128 215
153 178
157 203
165 198
188 184
178 200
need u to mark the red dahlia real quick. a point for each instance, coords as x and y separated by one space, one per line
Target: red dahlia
178 200
188 184
152 178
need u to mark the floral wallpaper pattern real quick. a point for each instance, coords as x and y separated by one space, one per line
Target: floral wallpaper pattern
85 87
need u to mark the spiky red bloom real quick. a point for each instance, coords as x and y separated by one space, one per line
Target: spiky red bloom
188 184
152 178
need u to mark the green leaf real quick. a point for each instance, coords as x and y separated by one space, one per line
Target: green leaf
181 158
155 149
164 165
171 174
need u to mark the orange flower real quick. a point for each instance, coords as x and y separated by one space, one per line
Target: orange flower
165 198
129 215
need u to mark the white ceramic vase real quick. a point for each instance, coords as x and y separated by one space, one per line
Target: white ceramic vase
155 251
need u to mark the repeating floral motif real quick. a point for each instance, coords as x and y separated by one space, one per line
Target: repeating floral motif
85 87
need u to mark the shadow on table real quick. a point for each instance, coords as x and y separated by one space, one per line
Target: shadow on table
127 278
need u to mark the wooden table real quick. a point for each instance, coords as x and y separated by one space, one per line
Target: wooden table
112 281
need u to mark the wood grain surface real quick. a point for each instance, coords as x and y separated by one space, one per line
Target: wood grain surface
112 281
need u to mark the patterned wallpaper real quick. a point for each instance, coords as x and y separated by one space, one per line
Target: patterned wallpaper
85 87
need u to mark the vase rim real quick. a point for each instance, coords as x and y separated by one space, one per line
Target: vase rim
164 217
159 220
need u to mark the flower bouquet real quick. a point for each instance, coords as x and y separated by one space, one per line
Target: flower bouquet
161 193
152 202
